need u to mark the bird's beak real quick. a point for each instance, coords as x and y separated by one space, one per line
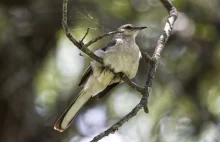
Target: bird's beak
140 28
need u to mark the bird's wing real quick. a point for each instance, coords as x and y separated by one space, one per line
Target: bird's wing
89 71
85 76
110 44
106 90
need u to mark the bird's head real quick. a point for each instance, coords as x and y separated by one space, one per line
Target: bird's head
130 30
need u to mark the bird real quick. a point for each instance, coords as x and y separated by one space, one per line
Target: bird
120 56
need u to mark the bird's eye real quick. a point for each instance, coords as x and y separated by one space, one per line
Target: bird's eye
128 27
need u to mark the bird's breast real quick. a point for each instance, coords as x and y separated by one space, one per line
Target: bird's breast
123 58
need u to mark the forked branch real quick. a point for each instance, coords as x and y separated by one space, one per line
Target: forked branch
153 61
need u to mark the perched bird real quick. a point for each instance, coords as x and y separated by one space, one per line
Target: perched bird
121 55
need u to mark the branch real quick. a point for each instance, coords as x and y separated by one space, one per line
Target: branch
127 117
173 14
133 85
72 39
81 41
146 57
83 47
99 37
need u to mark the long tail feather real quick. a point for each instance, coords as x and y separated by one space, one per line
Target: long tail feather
66 118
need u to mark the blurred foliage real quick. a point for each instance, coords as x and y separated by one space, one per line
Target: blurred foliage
41 68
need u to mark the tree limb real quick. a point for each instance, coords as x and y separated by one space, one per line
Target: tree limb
173 14
100 37
83 47
81 41
153 61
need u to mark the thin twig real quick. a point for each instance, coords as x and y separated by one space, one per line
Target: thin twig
133 85
147 57
81 41
72 39
100 37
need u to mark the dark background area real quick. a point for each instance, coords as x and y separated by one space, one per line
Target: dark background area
40 70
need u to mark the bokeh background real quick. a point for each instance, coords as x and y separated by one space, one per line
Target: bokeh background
40 70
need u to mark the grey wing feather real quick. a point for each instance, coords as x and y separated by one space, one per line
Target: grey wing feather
88 71
110 44
86 75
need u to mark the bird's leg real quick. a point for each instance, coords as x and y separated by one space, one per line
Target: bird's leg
110 69
121 75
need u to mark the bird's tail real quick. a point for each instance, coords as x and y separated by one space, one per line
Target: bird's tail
66 118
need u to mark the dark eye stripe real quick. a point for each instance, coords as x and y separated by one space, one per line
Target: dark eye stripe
128 27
